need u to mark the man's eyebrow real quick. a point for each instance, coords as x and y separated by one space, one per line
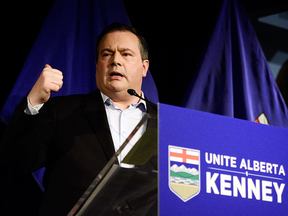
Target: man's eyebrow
120 49
126 49
106 50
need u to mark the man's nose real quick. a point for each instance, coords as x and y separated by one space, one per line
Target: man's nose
116 60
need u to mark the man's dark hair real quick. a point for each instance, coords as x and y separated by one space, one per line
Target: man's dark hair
143 46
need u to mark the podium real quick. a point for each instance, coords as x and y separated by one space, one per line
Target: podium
216 165
208 165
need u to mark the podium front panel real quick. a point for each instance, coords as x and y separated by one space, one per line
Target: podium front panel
216 165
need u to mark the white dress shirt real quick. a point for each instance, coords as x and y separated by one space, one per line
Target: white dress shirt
122 122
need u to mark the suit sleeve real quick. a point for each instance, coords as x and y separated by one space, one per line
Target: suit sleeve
27 137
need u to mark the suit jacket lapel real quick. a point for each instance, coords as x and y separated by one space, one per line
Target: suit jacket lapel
94 109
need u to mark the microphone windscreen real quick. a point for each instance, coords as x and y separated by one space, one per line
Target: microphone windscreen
131 92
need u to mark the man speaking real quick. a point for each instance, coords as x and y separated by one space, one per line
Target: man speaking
75 136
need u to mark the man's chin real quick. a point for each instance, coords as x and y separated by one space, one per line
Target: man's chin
118 89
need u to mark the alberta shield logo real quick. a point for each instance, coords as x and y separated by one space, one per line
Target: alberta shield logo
184 172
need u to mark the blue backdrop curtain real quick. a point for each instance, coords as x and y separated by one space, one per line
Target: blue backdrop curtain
233 78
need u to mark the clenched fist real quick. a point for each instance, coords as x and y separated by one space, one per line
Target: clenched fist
50 80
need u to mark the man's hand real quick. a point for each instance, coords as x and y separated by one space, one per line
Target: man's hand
50 80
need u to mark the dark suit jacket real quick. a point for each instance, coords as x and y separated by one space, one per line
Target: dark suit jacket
71 138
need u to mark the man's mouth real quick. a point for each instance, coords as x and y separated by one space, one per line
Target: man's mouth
115 74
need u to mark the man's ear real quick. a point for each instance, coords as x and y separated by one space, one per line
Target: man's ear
145 67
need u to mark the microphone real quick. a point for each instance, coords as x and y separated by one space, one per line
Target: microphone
132 92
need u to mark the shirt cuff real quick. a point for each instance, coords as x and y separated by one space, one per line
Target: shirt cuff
30 110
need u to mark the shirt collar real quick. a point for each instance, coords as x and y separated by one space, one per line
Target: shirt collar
108 101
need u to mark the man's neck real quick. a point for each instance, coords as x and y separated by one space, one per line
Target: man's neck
122 99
